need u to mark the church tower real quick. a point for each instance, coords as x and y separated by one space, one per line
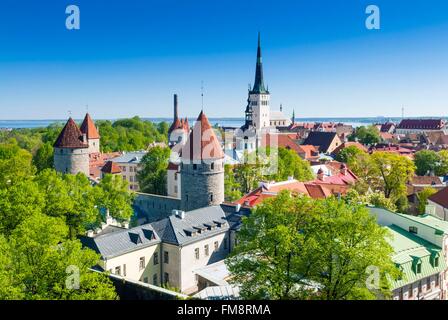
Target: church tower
202 168
259 96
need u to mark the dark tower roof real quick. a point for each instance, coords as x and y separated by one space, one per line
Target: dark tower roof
202 143
88 127
259 81
70 137
111 168
177 123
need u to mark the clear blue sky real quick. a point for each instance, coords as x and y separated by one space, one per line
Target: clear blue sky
130 57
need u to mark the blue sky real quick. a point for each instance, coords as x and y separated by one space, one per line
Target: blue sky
129 57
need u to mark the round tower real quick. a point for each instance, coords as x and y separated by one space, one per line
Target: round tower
202 168
93 137
71 150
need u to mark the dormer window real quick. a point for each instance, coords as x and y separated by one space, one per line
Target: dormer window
413 230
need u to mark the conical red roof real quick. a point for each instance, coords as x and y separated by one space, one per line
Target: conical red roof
88 127
70 137
111 167
202 143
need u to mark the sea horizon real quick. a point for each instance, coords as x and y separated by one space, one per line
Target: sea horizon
221 121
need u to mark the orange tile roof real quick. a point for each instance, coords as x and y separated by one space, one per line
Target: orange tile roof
88 127
202 143
111 167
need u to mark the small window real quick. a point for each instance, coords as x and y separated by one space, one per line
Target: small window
154 280
212 166
216 246
196 253
206 250
166 278
195 167
124 270
156 258
211 197
142 263
419 267
118 270
166 257
413 230
436 261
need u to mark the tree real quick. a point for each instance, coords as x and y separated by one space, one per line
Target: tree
8 291
422 197
366 135
71 198
113 195
45 261
299 248
442 169
385 172
231 186
43 159
291 165
153 174
426 162
347 155
376 199
15 164
18 202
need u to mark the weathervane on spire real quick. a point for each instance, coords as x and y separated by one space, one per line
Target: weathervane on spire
202 95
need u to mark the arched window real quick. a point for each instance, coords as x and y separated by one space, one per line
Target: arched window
212 166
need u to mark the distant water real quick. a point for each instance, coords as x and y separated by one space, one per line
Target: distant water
223 122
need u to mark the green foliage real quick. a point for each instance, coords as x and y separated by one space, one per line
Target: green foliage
153 174
428 161
15 164
232 189
366 135
384 172
39 254
288 245
113 195
43 159
422 197
347 155
291 165
130 134
376 199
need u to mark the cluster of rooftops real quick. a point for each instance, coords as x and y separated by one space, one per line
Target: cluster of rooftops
181 228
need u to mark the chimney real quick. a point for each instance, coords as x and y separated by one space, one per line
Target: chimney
237 207
321 175
175 107
344 169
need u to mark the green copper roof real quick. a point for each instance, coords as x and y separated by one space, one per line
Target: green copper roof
259 81
410 250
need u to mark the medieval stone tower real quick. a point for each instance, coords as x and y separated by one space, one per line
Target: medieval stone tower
93 138
71 150
202 168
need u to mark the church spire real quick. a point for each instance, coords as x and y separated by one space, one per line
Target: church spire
259 82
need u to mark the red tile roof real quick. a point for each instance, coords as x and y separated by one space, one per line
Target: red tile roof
70 137
88 127
441 198
350 144
421 124
271 190
111 167
202 143
283 141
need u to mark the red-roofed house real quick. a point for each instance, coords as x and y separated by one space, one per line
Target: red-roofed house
439 203
420 125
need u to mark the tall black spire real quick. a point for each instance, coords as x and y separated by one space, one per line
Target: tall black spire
259 83
176 115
